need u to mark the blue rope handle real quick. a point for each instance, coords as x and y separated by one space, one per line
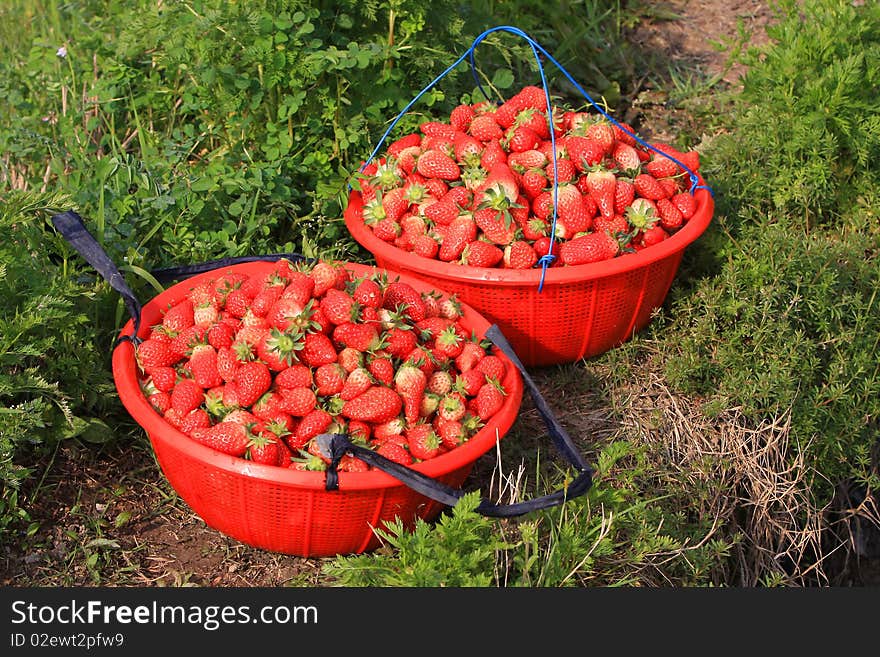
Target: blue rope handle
546 260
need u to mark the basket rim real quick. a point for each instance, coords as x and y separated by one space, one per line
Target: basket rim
161 432
388 253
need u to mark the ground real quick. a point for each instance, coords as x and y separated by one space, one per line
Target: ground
110 518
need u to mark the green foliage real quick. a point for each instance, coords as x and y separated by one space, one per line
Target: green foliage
616 535
54 382
791 322
808 120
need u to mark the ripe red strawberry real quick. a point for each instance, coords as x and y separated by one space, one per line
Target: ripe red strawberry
543 246
603 188
395 452
318 350
593 247
221 335
624 132
377 405
362 337
439 383
425 246
263 447
339 307
163 378
461 116
186 396
462 231
403 296
647 187
410 383
196 419
452 406
565 171
470 382
298 402
471 353
489 400
505 114
493 155
203 365
602 132
497 226
531 159
519 255
314 423
584 152
624 193
485 128
492 366
368 293
686 204
519 139
356 383
613 226
179 316
423 443
413 139
449 342
534 181
295 376
481 254
329 379
267 406
670 216
156 352
278 349
437 129
626 158
382 369
437 164
572 212
161 401
252 380
237 303
387 230
227 437
451 433
325 275
651 236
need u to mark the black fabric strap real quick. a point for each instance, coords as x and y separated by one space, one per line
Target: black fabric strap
334 446
71 227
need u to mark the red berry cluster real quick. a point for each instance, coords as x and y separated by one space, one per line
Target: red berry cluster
478 190
257 366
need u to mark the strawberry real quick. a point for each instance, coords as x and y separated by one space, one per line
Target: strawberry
410 383
602 132
186 396
565 171
390 430
156 352
422 442
387 230
329 379
401 296
493 155
359 431
179 316
534 181
489 400
252 380
203 365
471 353
382 369
670 216
362 337
584 152
227 437
572 212
519 255
425 246
161 401
461 116
318 350
197 418
469 382
377 405
449 342
262 448
325 276
395 452
642 214
492 366
462 231
413 139
278 349
295 376
338 306
624 193
686 204
613 226
452 406
367 293
497 226
485 128
437 129
626 158
653 235
221 335
481 254
439 383
603 186
437 164
163 378
298 402
647 186
356 383
237 303
451 433
593 247
519 139
313 423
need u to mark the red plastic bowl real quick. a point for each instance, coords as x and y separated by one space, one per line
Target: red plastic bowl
582 311
290 511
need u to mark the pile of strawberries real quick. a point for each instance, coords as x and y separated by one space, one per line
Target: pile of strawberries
478 190
257 366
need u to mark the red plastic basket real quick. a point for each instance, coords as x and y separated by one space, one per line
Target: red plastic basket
290 511
581 311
